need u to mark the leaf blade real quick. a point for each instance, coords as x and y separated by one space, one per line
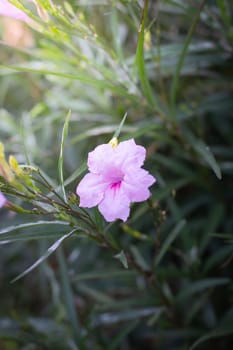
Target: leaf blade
171 237
61 156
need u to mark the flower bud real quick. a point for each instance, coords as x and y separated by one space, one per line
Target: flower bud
113 142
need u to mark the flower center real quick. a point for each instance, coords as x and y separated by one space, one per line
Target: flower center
116 180
116 185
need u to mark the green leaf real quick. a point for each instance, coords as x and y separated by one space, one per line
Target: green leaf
218 257
174 165
216 333
61 156
99 130
202 149
49 251
225 12
104 275
76 173
122 257
200 286
140 61
164 192
170 239
208 156
95 294
117 340
139 258
115 24
127 315
176 76
38 230
212 222
118 131
99 83
69 298
223 235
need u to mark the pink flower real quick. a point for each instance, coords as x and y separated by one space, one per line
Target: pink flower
9 10
2 200
115 179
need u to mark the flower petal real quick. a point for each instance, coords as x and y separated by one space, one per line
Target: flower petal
115 205
2 200
136 183
127 153
9 10
100 158
91 190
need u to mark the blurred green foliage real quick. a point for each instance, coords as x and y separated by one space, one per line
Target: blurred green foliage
168 65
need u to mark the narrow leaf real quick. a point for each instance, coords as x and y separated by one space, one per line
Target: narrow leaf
127 315
218 257
61 157
69 298
121 256
75 174
208 156
100 83
140 61
171 237
50 250
118 131
176 76
225 12
218 332
11 233
104 274
202 149
200 286
128 328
